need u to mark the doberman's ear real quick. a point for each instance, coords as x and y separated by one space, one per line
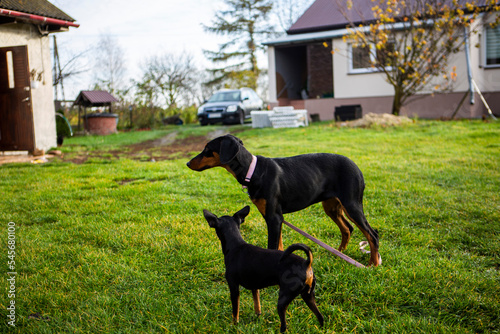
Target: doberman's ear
240 215
229 148
211 218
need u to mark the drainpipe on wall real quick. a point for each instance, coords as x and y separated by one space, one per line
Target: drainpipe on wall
469 69
472 83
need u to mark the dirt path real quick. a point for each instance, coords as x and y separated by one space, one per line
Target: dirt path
164 148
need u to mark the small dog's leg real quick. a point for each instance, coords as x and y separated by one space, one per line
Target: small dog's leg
235 301
256 301
285 298
311 303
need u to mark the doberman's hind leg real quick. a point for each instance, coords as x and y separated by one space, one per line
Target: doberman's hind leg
354 211
333 209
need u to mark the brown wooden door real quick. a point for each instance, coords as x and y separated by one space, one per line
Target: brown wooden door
16 116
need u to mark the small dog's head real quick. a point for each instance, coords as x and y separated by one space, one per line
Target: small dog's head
227 226
217 152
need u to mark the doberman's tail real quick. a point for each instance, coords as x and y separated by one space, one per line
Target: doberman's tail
309 272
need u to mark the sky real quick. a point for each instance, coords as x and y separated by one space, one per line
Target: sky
141 28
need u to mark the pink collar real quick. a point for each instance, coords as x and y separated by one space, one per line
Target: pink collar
251 169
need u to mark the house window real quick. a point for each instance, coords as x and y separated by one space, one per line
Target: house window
493 46
362 58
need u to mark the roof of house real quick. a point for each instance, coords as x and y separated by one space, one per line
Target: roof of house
37 7
94 98
333 14
330 15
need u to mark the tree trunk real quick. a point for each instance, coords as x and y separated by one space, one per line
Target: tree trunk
397 102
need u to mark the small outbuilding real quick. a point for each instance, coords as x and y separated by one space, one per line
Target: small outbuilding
27 115
100 123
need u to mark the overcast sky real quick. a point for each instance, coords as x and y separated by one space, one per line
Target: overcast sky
142 29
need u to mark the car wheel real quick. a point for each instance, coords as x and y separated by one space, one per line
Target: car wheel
242 117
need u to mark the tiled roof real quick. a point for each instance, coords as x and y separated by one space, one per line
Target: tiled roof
94 97
331 14
37 7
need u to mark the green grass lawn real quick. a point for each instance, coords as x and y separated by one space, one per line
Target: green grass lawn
121 245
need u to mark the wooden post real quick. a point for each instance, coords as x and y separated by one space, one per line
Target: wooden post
79 116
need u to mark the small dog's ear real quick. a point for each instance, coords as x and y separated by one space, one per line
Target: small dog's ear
211 218
240 215
229 148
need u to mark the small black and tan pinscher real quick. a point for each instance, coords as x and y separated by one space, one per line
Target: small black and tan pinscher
256 268
284 185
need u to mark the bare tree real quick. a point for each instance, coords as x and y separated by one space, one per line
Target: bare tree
288 11
167 80
66 66
109 64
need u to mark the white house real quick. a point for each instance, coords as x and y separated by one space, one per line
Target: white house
27 116
302 61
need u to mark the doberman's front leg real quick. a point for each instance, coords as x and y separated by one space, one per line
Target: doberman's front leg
274 220
274 237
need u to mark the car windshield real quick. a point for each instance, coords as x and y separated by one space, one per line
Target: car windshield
225 96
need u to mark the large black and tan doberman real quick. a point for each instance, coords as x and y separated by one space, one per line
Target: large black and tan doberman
284 185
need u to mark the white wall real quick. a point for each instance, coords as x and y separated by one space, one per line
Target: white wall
346 85
351 85
39 60
487 78
271 72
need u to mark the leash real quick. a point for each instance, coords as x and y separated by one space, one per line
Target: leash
325 246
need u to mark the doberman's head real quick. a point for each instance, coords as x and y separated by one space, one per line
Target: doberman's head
217 152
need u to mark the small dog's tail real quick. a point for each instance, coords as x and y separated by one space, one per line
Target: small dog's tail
309 272
302 247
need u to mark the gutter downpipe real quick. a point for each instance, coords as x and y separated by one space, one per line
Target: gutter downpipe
469 69
38 18
472 83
